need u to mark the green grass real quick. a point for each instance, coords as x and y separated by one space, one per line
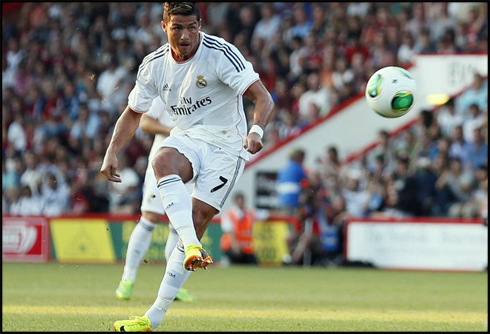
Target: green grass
59 297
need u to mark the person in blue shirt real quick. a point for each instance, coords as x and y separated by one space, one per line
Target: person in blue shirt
289 181
476 152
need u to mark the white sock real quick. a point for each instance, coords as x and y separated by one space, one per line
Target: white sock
175 277
178 206
173 238
139 242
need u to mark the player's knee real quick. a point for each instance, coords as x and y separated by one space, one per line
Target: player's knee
159 165
151 217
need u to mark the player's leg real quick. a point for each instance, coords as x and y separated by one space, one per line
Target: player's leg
218 173
140 240
173 280
173 236
173 170
178 161
138 245
172 240
175 274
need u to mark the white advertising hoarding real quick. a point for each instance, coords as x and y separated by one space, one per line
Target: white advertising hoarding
419 244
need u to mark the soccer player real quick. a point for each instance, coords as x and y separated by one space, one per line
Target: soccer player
156 121
201 79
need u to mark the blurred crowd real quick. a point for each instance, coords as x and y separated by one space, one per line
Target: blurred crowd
438 167
67 69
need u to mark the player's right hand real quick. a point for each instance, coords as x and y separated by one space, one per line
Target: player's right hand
253 143
109 168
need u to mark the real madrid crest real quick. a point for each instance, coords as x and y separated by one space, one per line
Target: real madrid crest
201 83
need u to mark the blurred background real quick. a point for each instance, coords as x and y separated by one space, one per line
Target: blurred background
67 69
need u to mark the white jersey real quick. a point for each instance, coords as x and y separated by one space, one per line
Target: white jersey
158 112
203 95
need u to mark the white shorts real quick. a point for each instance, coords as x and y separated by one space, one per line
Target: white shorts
215 170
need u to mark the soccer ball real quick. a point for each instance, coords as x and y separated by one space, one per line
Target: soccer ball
390 92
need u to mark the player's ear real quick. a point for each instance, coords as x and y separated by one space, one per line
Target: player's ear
164 26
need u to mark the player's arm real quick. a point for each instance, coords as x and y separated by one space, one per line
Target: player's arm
124 130
153 126
264 107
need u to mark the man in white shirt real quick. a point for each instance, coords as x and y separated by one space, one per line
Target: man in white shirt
202 80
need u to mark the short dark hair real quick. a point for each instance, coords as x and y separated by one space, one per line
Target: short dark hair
180 8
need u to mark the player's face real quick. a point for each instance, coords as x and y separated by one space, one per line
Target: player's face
183 35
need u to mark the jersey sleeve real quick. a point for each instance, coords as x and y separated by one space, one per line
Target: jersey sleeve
235 71
141 97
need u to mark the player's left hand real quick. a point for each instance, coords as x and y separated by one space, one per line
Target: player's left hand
253 143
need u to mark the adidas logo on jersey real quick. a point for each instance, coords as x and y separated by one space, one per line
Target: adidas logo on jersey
166 88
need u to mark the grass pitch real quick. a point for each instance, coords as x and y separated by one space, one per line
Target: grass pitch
57 297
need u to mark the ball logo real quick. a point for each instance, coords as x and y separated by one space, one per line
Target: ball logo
402 101
375 88
201 83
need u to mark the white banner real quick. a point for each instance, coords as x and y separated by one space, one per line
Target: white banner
418 245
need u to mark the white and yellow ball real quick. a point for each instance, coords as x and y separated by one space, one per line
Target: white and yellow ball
390 92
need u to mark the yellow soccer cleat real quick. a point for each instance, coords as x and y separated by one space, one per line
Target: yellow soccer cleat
185 296
124 290
196 257
134 324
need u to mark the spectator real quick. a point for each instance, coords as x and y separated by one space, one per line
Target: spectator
385 148
315 96
406 51
109 81
337 216
267 27
237 226
475 119
27 204
302 23
303 240
16 133
86 125
356 198
289 180
418 23
55 196
125 196
479 198
457 183
458 143
448 118
32 176
405 185
391 205
423 43
477 94
425 179
331 164
472 206
476 152
11 172
288 127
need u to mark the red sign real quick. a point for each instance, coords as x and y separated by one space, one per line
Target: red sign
25 239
